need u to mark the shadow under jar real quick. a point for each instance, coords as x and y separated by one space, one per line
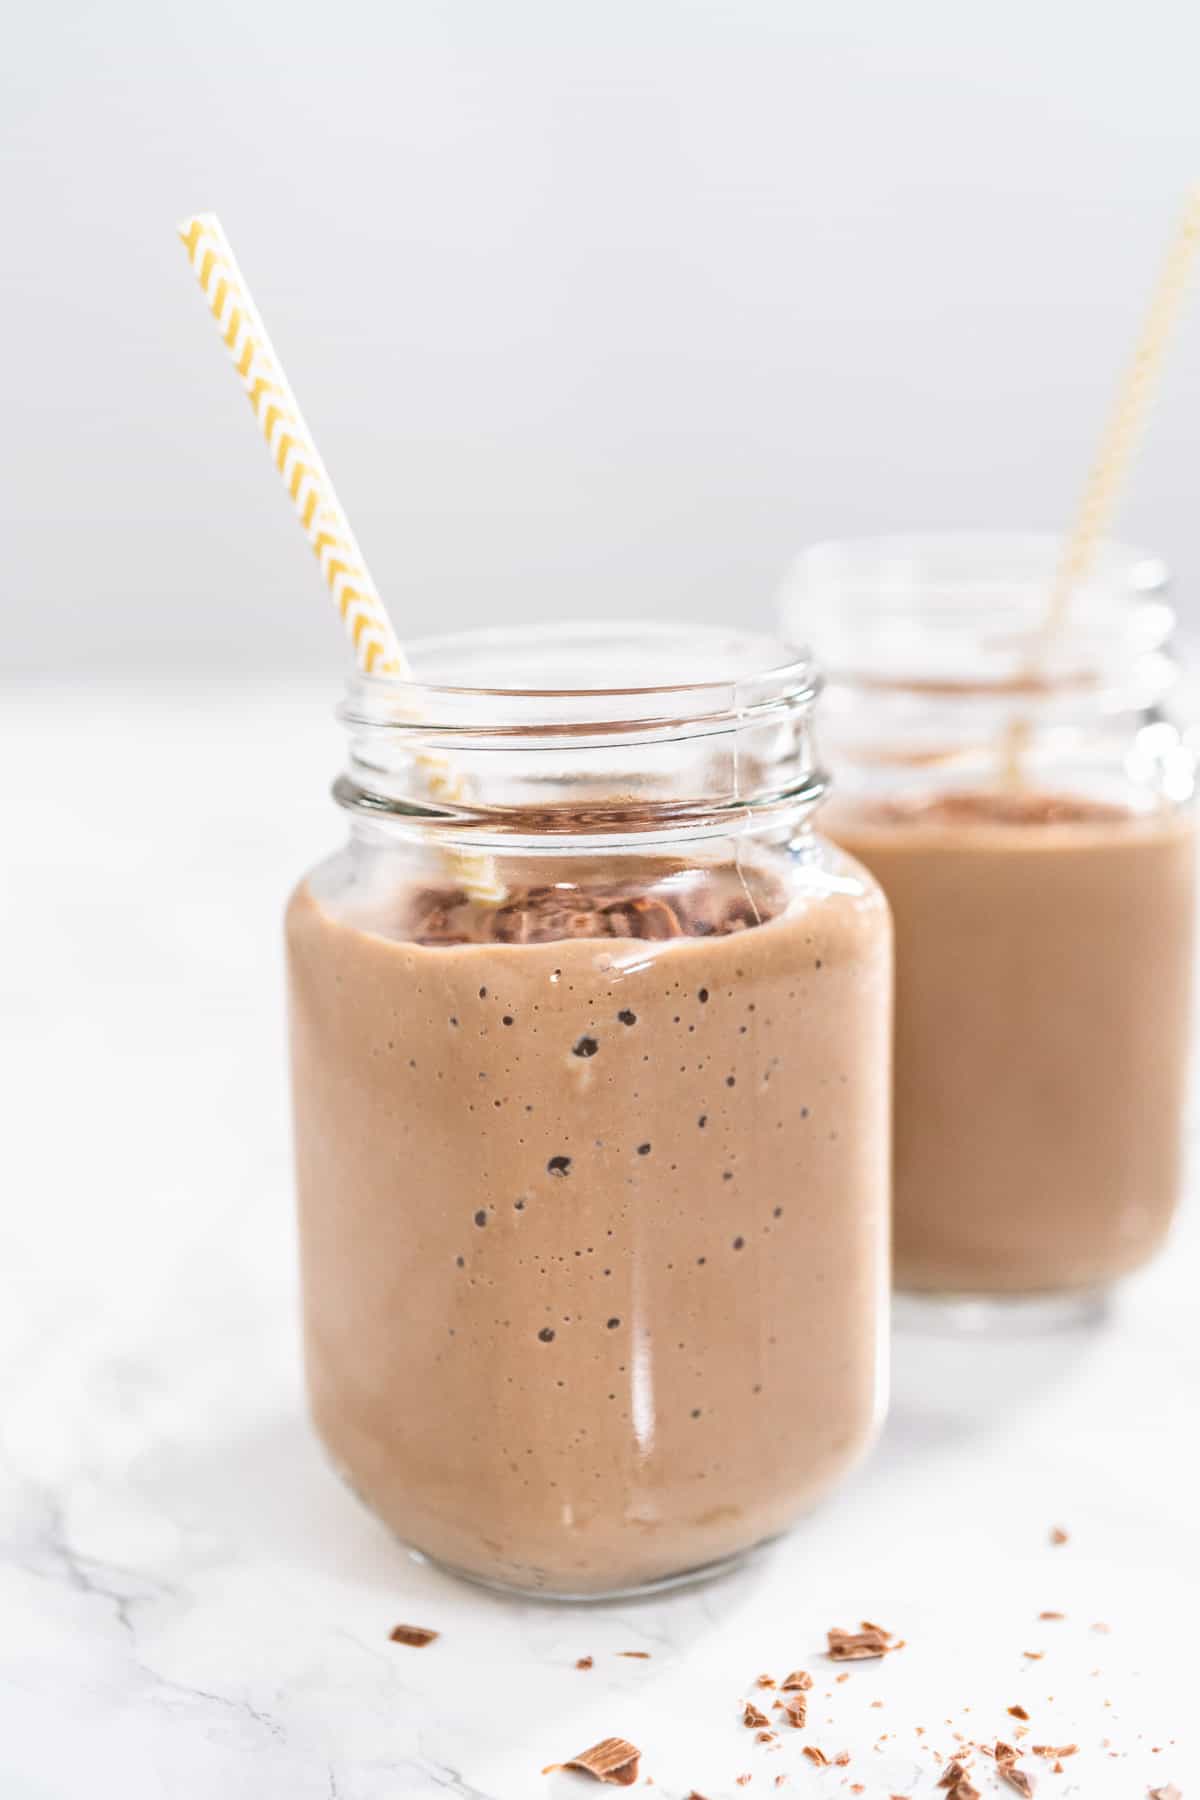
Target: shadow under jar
593 1178
1025 801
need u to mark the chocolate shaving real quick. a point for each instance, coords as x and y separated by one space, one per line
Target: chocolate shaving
1018 1712
585 1662
1055 1749
752 1716
1034 1655
842 1758
1058 1535
635 1655
952 1774
817 1756
1016 1778
1004 1753
855 1646
799 1678
796 1709
766 1737
764 1681
415 1635
966 1790
1051 1615
612 1759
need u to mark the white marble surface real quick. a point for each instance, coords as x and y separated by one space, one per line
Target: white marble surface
190 1604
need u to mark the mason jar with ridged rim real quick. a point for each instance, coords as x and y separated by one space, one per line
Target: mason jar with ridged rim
592 1171
1025 798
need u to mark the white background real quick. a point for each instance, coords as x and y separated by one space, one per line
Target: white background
593 307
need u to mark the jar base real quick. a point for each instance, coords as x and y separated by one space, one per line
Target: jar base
662 1584
999 1315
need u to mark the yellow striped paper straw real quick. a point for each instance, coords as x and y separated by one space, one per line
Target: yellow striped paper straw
1125 421
376 648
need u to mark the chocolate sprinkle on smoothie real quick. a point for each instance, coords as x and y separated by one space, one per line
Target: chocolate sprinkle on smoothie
613 1759
415 1635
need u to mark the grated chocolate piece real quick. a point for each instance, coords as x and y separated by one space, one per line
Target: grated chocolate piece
1003 1753
1016 1778
1051 1615
842 1758
966 1790
855 1646
765 1737
796 1710
1034 1655
752 1716
1055 1749
585 1662
415 1635
799 1679
612 1759
1018 1712
1058 1535
635 1655
764 1681
952 1774
817 1756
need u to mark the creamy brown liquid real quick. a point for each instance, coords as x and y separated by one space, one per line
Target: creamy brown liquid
593 1230
1043 975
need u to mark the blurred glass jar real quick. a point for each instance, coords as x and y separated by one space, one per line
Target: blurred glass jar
593 1180
1025 801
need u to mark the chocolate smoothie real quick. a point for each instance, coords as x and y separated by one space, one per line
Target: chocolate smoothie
593 1195
1043 970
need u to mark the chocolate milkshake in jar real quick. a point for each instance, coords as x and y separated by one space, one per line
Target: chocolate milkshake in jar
591 1083
1024 797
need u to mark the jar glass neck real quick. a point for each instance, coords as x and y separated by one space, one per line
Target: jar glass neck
983 620
613 751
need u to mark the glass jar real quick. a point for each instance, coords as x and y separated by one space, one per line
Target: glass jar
593 1177
1024 799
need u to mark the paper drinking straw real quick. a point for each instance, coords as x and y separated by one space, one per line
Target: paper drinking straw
1119 440
376 647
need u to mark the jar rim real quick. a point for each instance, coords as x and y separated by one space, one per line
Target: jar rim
996 558
961 612
709 673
